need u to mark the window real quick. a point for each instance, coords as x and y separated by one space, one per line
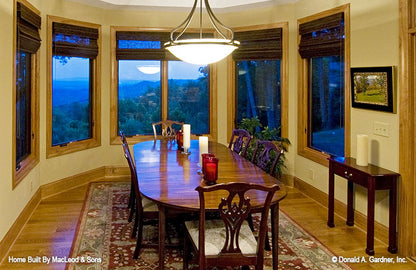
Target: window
26 97
150 84
259 77
74 103
323 98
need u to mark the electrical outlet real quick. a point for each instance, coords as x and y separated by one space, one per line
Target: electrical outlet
381 128
310 174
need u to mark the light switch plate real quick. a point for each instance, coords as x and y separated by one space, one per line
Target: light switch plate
381 128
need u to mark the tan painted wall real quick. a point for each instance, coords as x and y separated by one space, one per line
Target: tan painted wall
374 42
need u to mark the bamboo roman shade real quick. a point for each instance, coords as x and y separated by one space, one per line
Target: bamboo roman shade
133 45
262 44
141 45
28 25
322 37
73 40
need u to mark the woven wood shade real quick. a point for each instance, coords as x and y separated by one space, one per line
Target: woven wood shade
77 41
259 44
322 37
28 25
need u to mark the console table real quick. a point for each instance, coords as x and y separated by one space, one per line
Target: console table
373 178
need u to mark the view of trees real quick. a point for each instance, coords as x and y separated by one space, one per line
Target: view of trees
327 104
371 87
258 92
188 101
71 112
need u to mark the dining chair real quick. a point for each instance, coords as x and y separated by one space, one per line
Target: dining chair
240 139
264 159
132 198
168 132
227 241
267 163
145 208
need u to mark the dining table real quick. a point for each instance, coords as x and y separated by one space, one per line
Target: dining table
168 176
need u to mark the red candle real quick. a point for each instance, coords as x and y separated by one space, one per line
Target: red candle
179 139
204 158
211 170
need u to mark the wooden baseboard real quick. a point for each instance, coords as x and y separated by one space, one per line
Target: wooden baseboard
105 173
288 180
17 226
381 232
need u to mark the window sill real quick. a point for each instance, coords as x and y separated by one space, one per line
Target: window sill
314 155
25 167
72 147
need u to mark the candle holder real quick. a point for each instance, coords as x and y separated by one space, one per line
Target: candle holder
179 140
204 158
211 170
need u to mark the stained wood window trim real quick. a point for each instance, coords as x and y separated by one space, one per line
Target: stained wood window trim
165 57
95 140
22 169
303 90
284 78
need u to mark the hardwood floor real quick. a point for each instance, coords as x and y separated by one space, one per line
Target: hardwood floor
51 229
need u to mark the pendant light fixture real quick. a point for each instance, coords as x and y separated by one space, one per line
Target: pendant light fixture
202 50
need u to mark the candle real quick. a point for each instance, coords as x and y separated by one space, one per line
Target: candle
204 160
362 150
203 147
211 171
179 139
186 137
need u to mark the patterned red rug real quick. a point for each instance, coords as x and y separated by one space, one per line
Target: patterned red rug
103 238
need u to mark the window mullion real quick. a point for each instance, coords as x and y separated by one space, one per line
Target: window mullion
164 94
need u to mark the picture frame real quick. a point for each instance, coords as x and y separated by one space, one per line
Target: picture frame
372 88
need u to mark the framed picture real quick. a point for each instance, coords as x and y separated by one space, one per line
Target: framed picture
372 88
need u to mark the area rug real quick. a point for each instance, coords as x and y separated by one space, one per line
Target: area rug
103 238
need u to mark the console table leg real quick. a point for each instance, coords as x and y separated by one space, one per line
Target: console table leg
350 204
392 217
370 216
331 197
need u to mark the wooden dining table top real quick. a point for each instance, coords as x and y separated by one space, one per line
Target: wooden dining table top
169 177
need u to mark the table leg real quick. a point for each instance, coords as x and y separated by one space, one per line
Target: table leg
162 234
331 197
370 216
275 234
392 217
350 204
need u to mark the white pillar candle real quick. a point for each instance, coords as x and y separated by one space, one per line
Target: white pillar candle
203 147
186 137
362 150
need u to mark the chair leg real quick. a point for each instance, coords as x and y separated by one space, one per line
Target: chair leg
132 206
136 220
185 254
139 239
267 242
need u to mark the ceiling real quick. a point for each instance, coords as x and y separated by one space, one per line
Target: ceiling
181 4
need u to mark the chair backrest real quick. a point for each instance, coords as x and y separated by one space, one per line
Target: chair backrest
122 137
233 211
133 175
263 159
168 131
239 141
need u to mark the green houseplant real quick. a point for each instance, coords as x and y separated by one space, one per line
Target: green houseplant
258 132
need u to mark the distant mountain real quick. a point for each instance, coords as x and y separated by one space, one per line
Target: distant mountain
69 91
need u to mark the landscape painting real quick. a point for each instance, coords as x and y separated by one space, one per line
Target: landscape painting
372 88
